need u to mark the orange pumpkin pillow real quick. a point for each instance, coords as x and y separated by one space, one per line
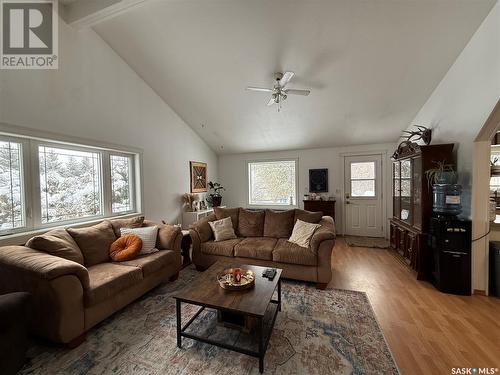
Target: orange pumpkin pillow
125 248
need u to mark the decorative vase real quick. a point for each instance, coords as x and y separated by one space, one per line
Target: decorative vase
216 200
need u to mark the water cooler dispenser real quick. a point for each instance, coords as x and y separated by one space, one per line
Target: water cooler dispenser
450 242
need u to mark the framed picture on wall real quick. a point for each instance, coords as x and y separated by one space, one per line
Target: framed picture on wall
198 172
318 180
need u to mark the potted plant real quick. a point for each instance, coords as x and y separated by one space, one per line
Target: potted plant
443 174
215 197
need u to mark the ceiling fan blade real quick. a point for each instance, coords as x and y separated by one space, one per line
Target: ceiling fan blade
271 101
287 76
298 92
250 88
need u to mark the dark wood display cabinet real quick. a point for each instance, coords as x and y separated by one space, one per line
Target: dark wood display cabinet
412 202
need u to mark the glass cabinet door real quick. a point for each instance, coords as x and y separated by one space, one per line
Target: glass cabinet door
417 192
396 183
406 191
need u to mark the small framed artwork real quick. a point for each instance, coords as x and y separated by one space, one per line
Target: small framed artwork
198 172
318 180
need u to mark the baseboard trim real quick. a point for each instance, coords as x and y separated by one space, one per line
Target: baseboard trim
479 292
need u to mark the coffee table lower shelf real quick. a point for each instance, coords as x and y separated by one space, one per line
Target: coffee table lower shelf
263 330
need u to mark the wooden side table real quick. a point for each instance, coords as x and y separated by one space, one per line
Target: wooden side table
185 248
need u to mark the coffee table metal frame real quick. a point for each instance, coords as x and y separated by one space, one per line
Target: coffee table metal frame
263 341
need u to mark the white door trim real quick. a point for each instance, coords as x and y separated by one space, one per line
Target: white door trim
385 184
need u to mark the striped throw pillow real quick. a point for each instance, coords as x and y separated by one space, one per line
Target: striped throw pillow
147 235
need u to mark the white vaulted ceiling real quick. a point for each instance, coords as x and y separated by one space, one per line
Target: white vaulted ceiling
370 65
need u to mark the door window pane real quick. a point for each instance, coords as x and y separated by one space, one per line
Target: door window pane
70 184
363 188
363 171
121 183
363 179
272 183
11 195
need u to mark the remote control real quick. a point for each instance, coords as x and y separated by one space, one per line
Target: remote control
269 273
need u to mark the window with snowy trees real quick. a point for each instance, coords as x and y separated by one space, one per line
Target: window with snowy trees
49 183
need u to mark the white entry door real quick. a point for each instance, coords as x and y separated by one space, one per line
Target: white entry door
363 196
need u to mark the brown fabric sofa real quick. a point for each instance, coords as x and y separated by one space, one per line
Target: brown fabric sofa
262 240
69 298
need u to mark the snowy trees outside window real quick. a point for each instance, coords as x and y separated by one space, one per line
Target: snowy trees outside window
272 183
70 184
11 202
121 183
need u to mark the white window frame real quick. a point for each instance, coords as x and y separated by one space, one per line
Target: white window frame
30 184
272 206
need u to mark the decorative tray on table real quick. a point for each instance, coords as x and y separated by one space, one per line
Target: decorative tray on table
228 279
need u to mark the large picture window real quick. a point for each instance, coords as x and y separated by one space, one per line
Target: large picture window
272 183
48 183
70 184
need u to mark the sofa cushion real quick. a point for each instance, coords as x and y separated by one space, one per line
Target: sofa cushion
233 213
224 248
57 242
223 229
256 248
287 252
151 263
251 223
278 224
134 222
94 242
308 216
108 279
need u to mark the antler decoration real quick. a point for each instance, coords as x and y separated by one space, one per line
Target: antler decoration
422 133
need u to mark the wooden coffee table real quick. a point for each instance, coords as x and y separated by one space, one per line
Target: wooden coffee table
255 304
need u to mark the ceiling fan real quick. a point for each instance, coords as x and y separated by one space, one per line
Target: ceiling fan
279 92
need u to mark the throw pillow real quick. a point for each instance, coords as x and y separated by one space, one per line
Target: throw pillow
147 235
94 242
125 248
223 229
134 222
302 233
57 242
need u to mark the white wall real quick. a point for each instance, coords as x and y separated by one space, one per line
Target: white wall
96 95
233 173
463 100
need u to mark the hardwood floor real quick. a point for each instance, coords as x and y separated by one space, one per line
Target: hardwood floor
428 332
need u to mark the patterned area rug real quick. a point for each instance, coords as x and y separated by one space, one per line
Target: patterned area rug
377 242
317 332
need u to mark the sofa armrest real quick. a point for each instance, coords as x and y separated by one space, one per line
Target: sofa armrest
57 286
202 228
26 261
323 233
